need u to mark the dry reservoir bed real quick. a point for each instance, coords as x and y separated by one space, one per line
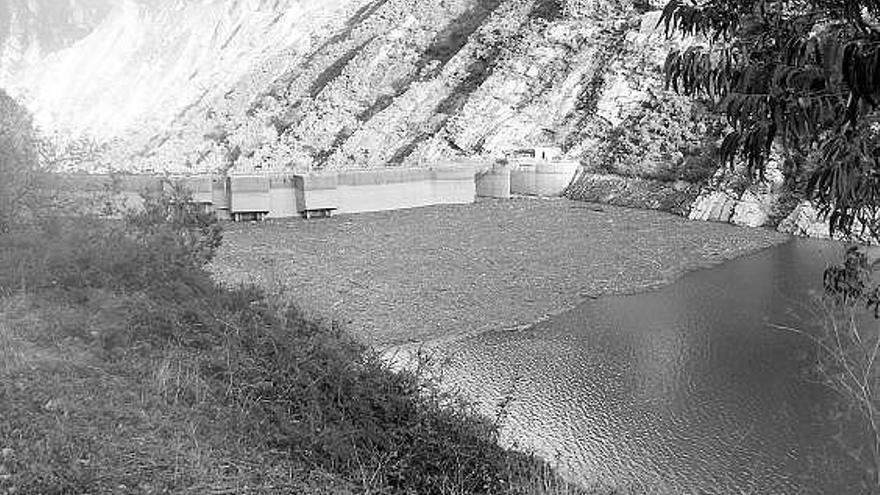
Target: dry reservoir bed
446 271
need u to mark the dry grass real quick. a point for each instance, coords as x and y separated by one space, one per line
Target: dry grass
109 389
75 423
13 352
76 419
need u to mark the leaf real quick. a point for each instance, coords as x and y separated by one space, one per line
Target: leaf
729 148
667 17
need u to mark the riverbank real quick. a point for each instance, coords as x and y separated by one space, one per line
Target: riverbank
125 368
447 271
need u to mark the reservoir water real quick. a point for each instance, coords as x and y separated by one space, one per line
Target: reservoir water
684 390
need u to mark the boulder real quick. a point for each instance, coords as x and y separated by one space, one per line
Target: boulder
754 209
714 206
806 221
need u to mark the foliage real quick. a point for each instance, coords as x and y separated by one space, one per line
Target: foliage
848 358
849 363
58 153
289 384
681 137
160 249
448 42
19 173
548 10
802 73
591 8
278 383
170 216
805 75
330 402
134 292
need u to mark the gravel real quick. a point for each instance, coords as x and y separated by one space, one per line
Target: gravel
441 272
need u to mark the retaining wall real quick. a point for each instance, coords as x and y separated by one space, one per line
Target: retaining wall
249 194
453 185
287 195
632 192
357 191
221 197
494 183
542 178
315 192
282 197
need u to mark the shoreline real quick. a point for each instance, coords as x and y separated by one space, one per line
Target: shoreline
402 354
441 273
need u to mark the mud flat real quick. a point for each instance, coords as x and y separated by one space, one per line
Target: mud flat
440 272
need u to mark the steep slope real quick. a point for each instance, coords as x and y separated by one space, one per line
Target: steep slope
31 29
149 60
186 85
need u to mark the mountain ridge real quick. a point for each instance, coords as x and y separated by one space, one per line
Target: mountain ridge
286 84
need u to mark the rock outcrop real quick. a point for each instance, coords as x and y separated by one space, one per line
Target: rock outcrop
749 208
731 196
146 63
805 221
186 85
632 192
247 84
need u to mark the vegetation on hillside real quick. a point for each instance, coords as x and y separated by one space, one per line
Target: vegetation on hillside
663 139
125 368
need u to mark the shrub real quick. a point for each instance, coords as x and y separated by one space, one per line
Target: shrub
308 389
290 385
135 290
18 163
333 403
667 138
847 347
159 250
172 216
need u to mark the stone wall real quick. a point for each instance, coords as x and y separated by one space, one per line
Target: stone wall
759 204
673 197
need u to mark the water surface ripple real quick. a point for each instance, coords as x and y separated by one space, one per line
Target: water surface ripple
683 390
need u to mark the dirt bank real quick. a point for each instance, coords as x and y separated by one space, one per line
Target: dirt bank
419 274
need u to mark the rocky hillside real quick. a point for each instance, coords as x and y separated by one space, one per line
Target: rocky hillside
32 29
204 85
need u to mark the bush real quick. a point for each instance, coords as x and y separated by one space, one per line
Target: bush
667 139
135 290
19 173
295 387
172 224
159 249
308 389
301 387
335 404
847 348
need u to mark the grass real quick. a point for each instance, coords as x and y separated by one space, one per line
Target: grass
76 422
83 416
124 368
